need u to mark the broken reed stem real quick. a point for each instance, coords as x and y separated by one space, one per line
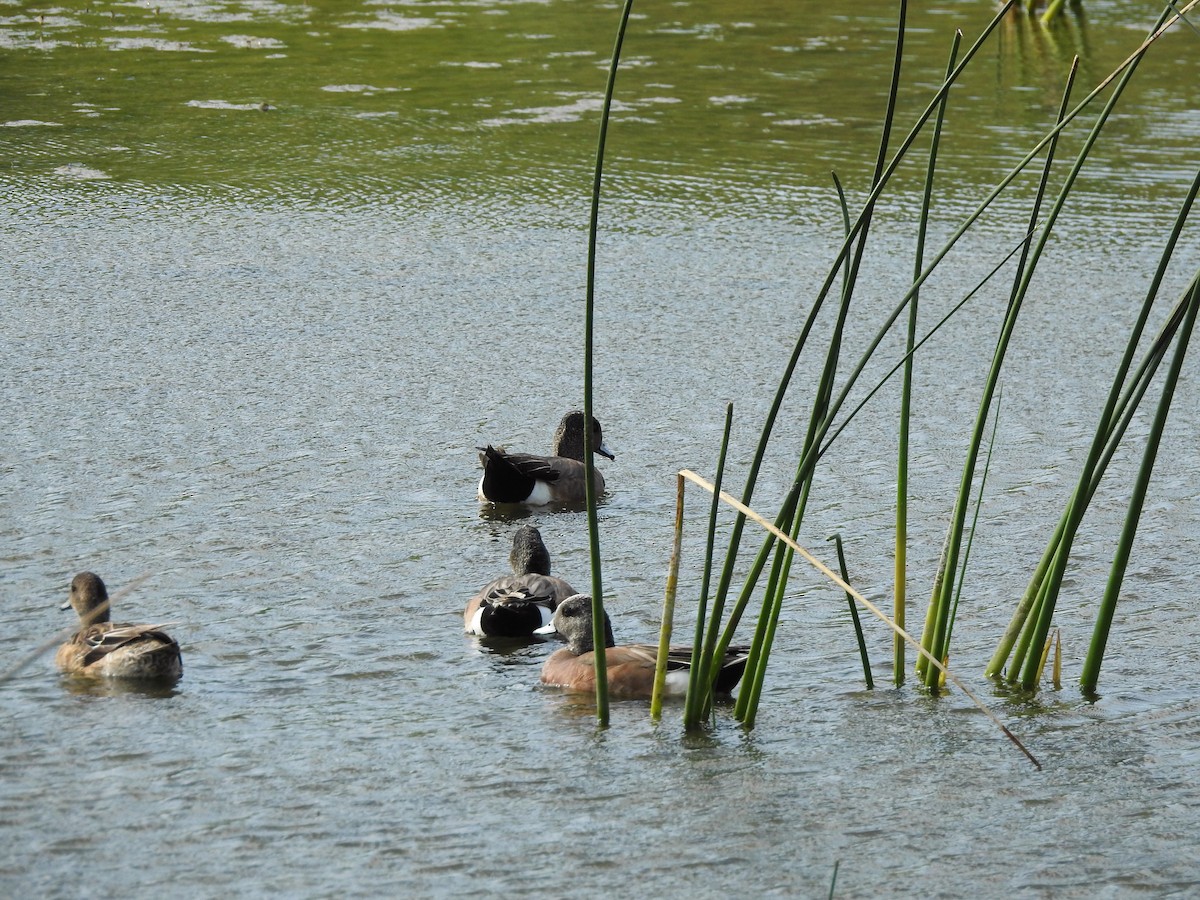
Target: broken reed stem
858 632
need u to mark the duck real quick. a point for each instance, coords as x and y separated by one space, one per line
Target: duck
537 480
630 666
517 604
102 648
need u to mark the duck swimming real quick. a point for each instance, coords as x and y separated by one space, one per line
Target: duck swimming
517 604
558 478
102 648
630 666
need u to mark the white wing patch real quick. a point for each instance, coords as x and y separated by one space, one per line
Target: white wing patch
540 493
677 683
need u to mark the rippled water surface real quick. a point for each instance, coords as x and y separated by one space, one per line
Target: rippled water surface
276 269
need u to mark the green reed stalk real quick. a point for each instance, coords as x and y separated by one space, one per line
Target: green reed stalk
937 639
760 650
1054 577
755 671
789 370
987 465
1123 399
1057 677
900 582
1025 641
668 617
1110 434
996 665
1053 10
747 706
1108 605
598 632
858 632
1114 424
704 669
939 575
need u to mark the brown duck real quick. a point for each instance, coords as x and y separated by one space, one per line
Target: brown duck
105 649
630 667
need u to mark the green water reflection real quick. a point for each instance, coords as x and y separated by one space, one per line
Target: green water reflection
720 102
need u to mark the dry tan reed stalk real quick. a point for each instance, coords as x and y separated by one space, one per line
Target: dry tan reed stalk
668 617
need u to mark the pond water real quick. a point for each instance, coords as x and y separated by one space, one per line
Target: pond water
276 269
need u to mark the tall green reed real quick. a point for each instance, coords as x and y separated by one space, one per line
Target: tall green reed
826 407
1122 402
668 616
900 579
936 636
814 450
1108 604
598 619
702 676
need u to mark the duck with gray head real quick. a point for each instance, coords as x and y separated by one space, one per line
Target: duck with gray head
630 667
102 648
559 478
514 605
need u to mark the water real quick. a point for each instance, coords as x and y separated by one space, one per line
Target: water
251 352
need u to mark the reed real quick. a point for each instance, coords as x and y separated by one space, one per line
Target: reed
900 580
1053 10
936 637
668 616
1095 656
703 674
598 619
1122 402
826 421
858 632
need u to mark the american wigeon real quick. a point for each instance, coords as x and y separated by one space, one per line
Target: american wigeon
526 478
630 666
514 605
103 648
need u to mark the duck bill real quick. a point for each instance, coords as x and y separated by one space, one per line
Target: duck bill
546 629
604 451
